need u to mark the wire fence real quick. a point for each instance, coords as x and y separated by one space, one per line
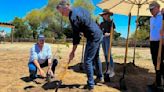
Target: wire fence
119 43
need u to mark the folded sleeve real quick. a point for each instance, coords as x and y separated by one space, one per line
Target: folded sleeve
33 54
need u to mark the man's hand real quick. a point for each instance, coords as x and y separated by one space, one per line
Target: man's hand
42 73
107 34
71 55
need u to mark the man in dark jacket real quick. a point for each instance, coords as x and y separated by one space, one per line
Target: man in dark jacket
81 21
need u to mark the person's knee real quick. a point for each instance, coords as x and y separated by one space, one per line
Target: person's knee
55 62
32 70
32 67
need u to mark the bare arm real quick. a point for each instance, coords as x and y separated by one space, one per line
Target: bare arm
71 56
39 68
49 63
37 64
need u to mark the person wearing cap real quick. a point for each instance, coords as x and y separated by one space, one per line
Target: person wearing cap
106 26
2 36
155 35
41 56
81 21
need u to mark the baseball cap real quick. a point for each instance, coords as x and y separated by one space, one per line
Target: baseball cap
41 37
153 4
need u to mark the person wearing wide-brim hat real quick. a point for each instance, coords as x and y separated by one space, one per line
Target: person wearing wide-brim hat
106 12
106 28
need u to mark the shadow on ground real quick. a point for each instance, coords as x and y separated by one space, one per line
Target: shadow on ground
26 79
136 78
54 85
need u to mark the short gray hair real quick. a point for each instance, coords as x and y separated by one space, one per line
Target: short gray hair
62 3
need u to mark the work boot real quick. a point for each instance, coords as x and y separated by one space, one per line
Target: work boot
33 75
90 88
99 80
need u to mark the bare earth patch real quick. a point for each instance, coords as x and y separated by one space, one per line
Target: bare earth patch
14 69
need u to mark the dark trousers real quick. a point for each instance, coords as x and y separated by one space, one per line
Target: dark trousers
154 45
33 68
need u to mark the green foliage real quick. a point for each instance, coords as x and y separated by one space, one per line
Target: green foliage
116 35
33 19
48 21
68 32
21 29
87 4
143 29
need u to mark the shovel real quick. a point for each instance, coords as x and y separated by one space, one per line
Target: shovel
106 75
62 76
160 50
122 79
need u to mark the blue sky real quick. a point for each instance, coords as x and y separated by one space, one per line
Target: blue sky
12 8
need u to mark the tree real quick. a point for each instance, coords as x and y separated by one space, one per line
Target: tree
116 35
143 29
87 4
21 29
55 21
33 19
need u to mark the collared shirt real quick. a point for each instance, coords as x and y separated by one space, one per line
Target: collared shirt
106 26
155 27
81 21
40 55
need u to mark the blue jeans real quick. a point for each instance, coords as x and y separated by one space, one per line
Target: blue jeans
106 46
33 68
92 55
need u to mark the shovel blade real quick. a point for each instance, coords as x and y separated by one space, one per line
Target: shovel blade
123 84
58 85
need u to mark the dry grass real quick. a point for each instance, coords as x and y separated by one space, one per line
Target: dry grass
14 59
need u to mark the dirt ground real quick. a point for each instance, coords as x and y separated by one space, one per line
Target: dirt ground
14 70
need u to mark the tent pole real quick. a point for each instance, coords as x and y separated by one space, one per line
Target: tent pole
136 31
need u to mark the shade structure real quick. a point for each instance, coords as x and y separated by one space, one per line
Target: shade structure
133 8
124 7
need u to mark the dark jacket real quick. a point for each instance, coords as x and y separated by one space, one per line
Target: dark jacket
81 21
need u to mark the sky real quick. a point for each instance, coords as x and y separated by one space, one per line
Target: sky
9 9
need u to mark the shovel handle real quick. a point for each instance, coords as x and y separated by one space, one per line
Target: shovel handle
58 85
62 76
160 47
159 54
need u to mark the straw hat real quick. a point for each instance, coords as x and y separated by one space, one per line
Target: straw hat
106 11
